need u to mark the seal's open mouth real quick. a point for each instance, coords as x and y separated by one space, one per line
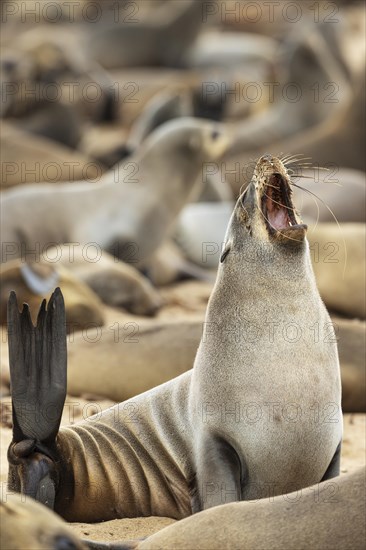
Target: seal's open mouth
277 206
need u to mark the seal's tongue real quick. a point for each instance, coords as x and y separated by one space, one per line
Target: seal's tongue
277 212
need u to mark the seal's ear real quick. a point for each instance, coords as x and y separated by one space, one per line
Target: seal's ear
225 252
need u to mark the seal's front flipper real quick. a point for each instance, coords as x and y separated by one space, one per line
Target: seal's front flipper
38 363
33 474
127 545
218 476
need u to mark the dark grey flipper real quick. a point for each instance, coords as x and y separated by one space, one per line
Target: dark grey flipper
38 363
219 475
95 545
334 467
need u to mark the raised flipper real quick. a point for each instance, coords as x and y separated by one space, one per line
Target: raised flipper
38 365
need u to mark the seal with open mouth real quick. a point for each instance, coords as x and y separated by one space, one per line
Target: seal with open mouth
259 413
259 357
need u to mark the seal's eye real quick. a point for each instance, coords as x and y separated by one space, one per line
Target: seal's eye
215 134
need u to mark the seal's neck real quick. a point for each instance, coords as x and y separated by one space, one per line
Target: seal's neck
281 280
173 174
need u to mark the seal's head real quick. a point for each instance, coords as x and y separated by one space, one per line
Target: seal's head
264 215
193 138
27 524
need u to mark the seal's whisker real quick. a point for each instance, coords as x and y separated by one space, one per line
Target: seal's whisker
309 165
320 182
290 161
294 158
291 156
241 189
303 163
306 177
313 196
300 157
335 219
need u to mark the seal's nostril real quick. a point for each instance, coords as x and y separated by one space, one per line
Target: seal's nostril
215 134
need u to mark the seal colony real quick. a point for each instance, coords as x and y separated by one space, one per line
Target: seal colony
204 438
148 190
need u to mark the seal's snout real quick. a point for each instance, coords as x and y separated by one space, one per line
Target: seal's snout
278 211
266 157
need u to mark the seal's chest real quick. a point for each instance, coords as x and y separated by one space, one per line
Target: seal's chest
287 457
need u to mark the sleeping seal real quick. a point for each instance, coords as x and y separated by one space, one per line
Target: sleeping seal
328 516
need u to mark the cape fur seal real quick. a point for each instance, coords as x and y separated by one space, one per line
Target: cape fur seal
351 335
339 263
305 54
130 212
32 282
117 284
325 516
324 143
26 524
316 125
276 288
160 38
38 62
32 159
129 358
179 448
328 516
